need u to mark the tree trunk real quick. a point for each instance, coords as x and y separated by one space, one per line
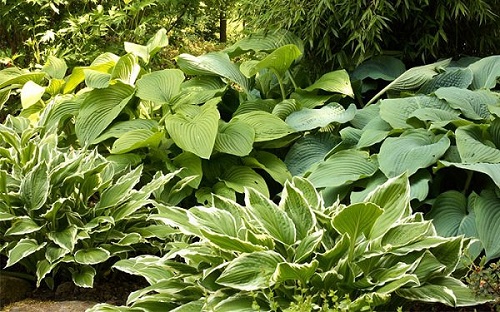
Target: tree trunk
222 26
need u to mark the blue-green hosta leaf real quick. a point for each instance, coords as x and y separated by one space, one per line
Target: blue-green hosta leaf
126 70
309 100
413 150
23 225
492 170
96 79
136 139
252 271
160 86
212 64
269 163
356 220
457 77
374 132
83 276
121 128
486 71
99 109
267 126
309 150
31 93
35 187
22 249
342 168
265 42
240 177
337 81
413 78
296 272
307 246
55 67
380 67
235 138
91 255
473 148
487 210
308 119
472 104
397 111
394 197
66 238
279 61
294 203
194 128
270 217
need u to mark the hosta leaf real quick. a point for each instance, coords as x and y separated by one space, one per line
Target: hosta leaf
404 234
213 63
231 244
54 253
240 303
457 77
99 109
176 217
342 168
31 93
267 126
295 272
129 239
285 108
198 90
103 63
413 78
57 112
279 60
21 79
380 67
264 42
472 147
487 210
356 219
65 238
35 187
194 128
269 163
213 219
252 271
492 170
152 268
55 67
486 71
43 267
297 208
413 150
472 104
394 197
96 79
309 100
23 225
307 246
308 119
160 86
273 219
235 138
91 255
240 177
23 249
136 139
337 81
121 128
309 150
84 276
126 69
119 191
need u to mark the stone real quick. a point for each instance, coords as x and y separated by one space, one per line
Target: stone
13 289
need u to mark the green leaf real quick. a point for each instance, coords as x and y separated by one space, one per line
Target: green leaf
136 139
239 302
66 238
404 234
160 86
270 163
158 41
119 129
31 93
380 67
35 187
23 225
235 138
21 79
297 208
215 64
240 177
55 67
487 212
308 119
472 104
84 276
486 71
279 60
295 272
194 128
152 268
307 246
336 81
473 148
23 249
342 168
96 79
271 218
459 78
43 267
126 69
252 271
99 109
413 150
357 219
265 42
214 220
267 126
91 255
119 192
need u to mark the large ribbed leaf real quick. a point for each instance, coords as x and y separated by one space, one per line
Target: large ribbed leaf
473 147
413 78
457 77
472 104
265 42
120 128
160 86
342 168
22 249
252 271
308 119
240 177
103 63
269 163
380 67
337 81
35 187
20 78
194 128
294 203
413 150
309 99
214 64
127 69
96 79
119 191
492 170
158 41
66 238
99 109
486 71
279 60
267 126
235 138
214 220
487 211
55 67
136 139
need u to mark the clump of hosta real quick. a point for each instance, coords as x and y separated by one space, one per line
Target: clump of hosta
68 211
298 253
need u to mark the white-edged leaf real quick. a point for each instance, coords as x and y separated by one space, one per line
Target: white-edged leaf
35 187
23 249
294 203
91 255
83 276
23 225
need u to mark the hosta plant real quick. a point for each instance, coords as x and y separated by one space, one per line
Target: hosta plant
298 255
67 212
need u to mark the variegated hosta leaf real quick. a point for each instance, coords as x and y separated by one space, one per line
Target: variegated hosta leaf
474 148
336 81
35 187
66 238
294 203
43 267
152 268
22 249
83 276
119 192
413 150
194 128
160 86
213 219
91 255
235 138
251 271
296 272
308 119
23 225
307 246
